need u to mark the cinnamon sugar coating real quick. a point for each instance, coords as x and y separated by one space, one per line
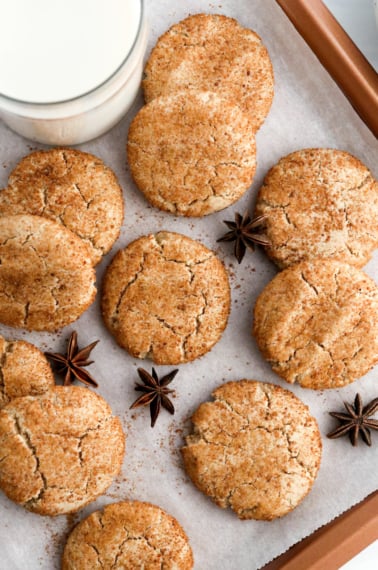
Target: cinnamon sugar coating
129 534
316 323
166 297
72 187
255 448
192 154
319 202
60 450
212 52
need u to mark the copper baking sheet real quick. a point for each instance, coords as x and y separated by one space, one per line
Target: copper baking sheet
338 54
334 544
339 541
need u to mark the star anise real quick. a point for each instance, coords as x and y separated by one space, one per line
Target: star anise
72 363
155 392
245 232
356 421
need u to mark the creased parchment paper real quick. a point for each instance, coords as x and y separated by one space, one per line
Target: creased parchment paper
308 110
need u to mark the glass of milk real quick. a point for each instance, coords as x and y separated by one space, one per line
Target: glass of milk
69 70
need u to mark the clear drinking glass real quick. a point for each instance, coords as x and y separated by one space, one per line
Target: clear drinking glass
84 117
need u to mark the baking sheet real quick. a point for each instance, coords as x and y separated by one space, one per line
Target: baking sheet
308 110
339 55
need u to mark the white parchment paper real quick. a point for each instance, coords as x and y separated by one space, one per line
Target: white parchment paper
308 110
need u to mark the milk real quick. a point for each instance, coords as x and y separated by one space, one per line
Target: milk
69 70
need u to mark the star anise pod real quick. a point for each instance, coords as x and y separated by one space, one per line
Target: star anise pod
245 232
356 421
73 362
155 392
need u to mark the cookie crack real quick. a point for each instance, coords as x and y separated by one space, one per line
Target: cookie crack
8 349
25 436
129 539
26 313
268 204
160 242
166 324
312 287
201 435
337 284
86 237
81 438
120 547
229 406
41 258
307 468
282 363
6 240
4 457
201 313
114 316
66 162
97 553
26 240
44 199
78 189
198 322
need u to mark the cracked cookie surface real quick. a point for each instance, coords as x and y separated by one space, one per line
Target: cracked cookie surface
317 323
130 535
191 154
319 203
255 449
71 187
212 53
166 297
60 450
24 370
46 276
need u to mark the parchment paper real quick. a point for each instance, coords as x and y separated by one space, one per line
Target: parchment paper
308 110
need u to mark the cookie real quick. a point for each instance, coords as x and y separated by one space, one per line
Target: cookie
166 297
60 450
71 187
24 370
317 323
256 449
128 535
319 202
46 276
211 52
191 154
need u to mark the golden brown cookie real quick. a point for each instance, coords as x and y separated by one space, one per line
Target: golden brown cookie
211 52
24 370
129 535
71 187
319 202
191 154
256 449
317 323
60 450
166 297
46 276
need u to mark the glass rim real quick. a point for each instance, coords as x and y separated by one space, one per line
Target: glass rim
90 91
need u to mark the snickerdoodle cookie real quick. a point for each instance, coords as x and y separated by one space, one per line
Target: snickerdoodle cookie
317 323
212 52
24 370
256 449
191 154
46 276
71 187
128 535
60 450
319 202
166 297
